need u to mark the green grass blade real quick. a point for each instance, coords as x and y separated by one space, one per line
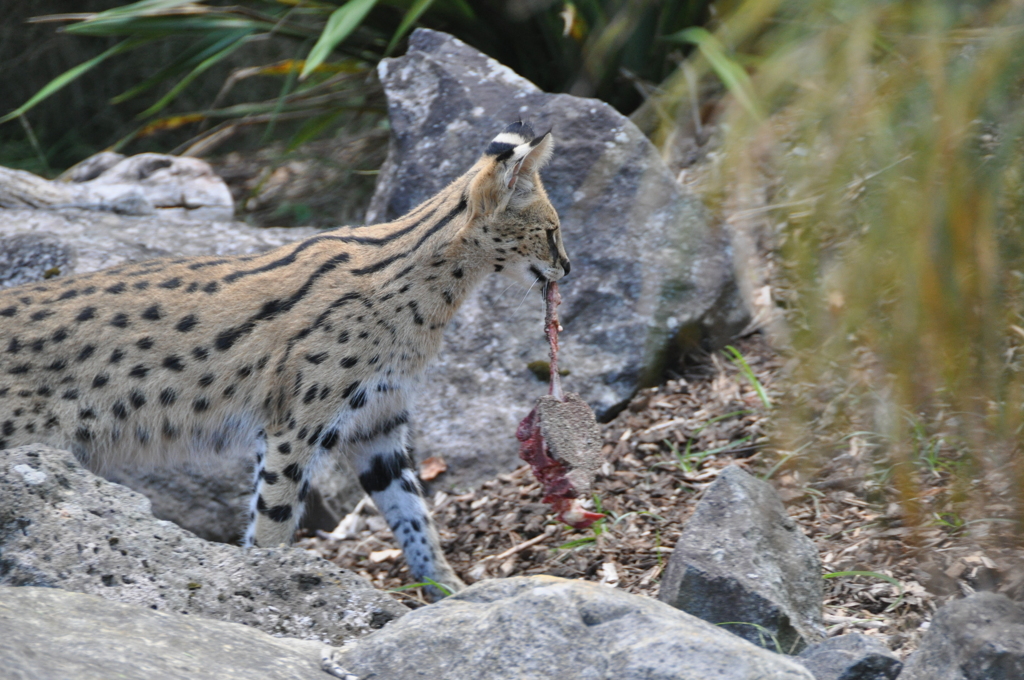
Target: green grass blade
69 75
738 359
231 43
411 17
732 75
343 21
872 574
189 59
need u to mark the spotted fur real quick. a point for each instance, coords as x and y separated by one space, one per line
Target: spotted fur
309 349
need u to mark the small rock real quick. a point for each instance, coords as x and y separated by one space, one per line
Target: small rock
980 637
63 527
742 560
541 627
50 633
850 657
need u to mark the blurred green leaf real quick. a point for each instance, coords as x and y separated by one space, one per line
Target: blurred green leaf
68 76
732 74
343 21
410 18
222 47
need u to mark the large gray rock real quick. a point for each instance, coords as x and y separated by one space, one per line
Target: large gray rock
541 627
51 634
146 184
978 638
742 559
646 267
63 527
100 239
850 657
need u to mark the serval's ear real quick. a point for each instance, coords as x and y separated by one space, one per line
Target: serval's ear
508 170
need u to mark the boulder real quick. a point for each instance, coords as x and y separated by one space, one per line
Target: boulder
51 633
97 239
63 527
980 637
850 657
742 560
146 184
647 269
541 627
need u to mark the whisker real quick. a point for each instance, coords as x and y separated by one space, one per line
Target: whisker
514 282
524 297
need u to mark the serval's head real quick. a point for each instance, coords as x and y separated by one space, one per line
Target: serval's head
510 210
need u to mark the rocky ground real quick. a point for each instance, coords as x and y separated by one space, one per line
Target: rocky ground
661 453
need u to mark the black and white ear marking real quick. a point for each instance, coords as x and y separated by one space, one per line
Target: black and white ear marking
514 156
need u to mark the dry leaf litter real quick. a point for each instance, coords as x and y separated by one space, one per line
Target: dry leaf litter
661 453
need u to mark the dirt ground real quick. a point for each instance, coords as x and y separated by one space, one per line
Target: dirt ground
661 453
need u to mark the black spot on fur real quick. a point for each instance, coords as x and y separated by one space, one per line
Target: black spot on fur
200 353
207 380
458 273
171 283
60 335
310 394
268 477
384 469
186 323
8 311
85 314
229 391
14 346
100 380
168 396
211 287
116 356
20 369
120 320
284 447
119 410
329 439
41 314
358 399
139 371
58 365
118 287
293 472
85 353
137 398
152 313
173 363
316 358
201 404
144 343
83 434
86 414
280 513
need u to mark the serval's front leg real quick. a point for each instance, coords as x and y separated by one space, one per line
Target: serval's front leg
387 473
283 477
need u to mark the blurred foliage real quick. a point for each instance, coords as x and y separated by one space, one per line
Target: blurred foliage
606 48
890 138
